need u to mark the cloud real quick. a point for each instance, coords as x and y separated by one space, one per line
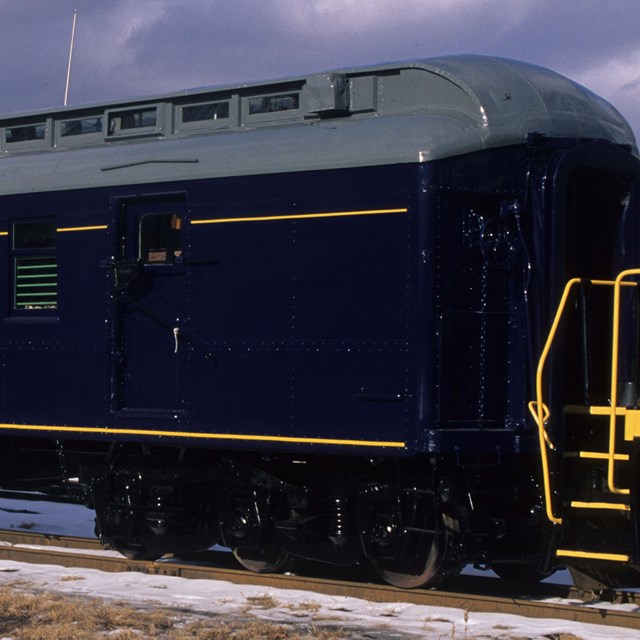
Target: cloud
107 37
618 80
619 77
380 15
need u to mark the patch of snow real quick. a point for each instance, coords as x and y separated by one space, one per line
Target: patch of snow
291 606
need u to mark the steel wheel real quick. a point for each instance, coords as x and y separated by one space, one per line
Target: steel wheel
418 574
405 539
267 560
133 551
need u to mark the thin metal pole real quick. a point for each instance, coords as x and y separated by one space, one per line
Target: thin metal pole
73 37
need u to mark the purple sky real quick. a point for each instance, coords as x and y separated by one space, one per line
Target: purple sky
138 47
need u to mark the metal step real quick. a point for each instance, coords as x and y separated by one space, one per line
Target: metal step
592 555
578 504
596 455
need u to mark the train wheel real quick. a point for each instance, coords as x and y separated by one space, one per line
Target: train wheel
406 541
133 551
418 574
266 560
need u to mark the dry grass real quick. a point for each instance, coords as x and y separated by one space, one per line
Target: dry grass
42 616
307 606
71 578
262 602
25 616
258 631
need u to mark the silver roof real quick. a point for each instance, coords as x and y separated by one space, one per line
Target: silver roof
408 112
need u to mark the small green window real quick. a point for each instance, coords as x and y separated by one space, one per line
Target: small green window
35 266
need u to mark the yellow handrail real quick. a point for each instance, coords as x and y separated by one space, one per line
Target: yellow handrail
615 339
539 409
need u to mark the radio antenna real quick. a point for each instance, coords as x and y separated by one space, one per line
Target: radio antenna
73 37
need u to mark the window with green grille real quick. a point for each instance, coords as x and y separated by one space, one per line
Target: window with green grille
35 265
36 284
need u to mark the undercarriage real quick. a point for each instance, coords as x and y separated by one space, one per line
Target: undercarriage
414 522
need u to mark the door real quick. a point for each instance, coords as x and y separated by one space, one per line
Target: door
149 287
596 225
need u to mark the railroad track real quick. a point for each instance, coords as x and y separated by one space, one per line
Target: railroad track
87 553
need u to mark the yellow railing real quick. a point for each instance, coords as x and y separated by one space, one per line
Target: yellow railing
614 376
541 412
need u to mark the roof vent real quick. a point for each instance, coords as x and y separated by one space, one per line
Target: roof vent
326 94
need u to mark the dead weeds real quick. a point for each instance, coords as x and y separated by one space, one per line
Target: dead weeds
46 616
27 616
264 601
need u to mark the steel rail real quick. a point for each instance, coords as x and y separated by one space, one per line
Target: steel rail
473 603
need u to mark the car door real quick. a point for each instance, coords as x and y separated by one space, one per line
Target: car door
149 292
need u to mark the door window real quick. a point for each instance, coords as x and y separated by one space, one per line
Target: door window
159 239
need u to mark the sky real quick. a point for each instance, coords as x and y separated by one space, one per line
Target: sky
126 48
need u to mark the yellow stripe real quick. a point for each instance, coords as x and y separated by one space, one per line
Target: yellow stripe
93 228
65 229
203 436
615 557
333 214
600 505
336 214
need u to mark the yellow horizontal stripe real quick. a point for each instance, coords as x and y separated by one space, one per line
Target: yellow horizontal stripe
203 436
96 227
614 557
600 505
301 216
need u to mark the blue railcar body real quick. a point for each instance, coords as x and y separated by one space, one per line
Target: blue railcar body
300 320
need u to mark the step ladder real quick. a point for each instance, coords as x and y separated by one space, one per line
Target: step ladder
590 475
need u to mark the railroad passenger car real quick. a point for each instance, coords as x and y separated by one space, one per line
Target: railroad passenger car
303 319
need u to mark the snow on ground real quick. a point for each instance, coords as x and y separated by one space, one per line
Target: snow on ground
47 517
372 620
